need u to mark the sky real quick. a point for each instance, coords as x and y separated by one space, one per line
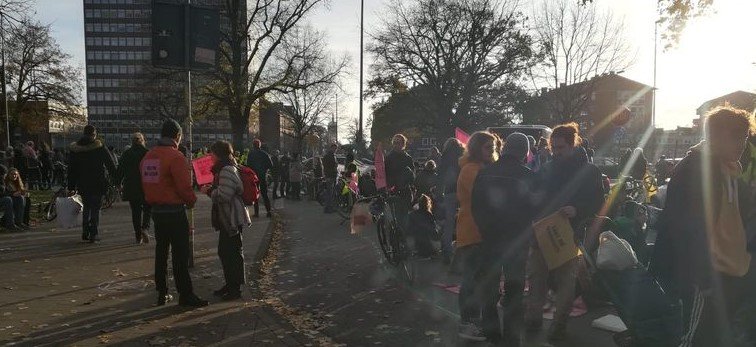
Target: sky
714 57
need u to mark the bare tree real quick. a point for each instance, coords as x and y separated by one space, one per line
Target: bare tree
166 94
254 60
311 103
456 48
577 44
39 70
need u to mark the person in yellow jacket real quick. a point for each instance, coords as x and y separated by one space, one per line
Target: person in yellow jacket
482 149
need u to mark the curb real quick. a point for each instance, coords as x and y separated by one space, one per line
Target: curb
255 272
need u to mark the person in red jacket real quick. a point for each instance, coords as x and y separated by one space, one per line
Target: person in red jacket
168 189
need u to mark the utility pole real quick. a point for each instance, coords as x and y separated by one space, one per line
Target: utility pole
359 139
5 92
653 92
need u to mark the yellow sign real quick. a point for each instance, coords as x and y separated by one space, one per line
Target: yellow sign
555 239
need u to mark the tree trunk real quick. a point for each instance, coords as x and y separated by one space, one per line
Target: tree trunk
239 125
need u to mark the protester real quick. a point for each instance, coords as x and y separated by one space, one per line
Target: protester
350 166
259 161
295 176
427 179
46 166
544 153
33 172
19 195
88 163
129 178
574 188
701 253
448 172
400 176
748 162
331 172
9 220
422 227
168 189
482 149
229 217
435 154
275 172
283 190
504 206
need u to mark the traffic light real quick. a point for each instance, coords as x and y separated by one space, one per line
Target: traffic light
169 36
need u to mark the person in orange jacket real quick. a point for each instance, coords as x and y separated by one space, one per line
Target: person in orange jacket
168 189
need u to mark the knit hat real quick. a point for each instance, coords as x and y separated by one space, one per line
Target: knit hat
517 146
171 128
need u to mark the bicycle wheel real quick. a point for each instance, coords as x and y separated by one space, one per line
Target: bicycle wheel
402 256
383 239
50 212
344 207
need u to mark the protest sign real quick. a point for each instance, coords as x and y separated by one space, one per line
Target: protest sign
555 239
203 169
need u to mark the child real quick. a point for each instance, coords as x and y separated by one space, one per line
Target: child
422 227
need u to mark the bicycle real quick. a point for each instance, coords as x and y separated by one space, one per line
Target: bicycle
391 239
50 211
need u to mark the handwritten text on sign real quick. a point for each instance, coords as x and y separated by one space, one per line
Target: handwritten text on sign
203 169
151 171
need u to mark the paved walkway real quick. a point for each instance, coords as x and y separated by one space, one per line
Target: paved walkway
57 290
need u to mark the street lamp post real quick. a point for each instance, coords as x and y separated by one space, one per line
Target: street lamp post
360 137
3 80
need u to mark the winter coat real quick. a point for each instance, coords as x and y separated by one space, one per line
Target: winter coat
129 174
165 176
259 161
681 256
448 170
422 227
284 164
330 165
275 168
572 181
397 173
45 160
295 171
425 182
87 164
467 229
228 213
504 206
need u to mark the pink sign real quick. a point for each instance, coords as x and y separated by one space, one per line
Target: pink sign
203 169
380 168
151 171
461 135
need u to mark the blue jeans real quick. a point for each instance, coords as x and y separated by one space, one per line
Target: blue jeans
451 205
91 214
19 204
6 205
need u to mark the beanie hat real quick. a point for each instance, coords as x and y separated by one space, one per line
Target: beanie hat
517 146
171 128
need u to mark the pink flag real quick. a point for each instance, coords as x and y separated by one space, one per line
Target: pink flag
380 168
203 169
461 135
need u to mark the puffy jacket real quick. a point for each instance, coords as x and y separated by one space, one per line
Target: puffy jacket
330 165
259 161
87 164
504 206
229 213
165 176
129 173
467 230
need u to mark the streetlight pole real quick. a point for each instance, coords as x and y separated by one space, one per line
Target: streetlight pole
362 34
5 92
653 92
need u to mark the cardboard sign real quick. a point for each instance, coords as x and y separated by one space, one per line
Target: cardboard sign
555 239
380 168
461 135
151 171
203 169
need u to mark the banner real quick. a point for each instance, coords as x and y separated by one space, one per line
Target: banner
555 239
380 168
203 169
461 135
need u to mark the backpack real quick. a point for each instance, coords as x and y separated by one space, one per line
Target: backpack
250 181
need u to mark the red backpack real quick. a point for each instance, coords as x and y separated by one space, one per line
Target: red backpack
250 181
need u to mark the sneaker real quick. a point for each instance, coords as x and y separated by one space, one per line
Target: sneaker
557 332
192 301
221 292
163 299
470 331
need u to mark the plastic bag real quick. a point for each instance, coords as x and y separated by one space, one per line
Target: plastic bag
68 210
360 217
614 253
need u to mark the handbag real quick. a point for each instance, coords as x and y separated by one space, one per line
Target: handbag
614 253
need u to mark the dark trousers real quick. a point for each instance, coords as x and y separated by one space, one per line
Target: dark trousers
513 269
141 213
231 256
91 214
284 188
19 206
709 316
172 233
6 204
276 182
296 189
264 194
469 303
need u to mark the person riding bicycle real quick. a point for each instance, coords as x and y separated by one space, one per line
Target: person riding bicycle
400 176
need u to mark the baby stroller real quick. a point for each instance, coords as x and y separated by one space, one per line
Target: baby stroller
653 317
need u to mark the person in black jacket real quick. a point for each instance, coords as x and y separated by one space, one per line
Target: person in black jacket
504 206
130 178
573 187
275 172
701 254
400 176
259 161
86 175
422 227
283 190
46 165
331 173
448 172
